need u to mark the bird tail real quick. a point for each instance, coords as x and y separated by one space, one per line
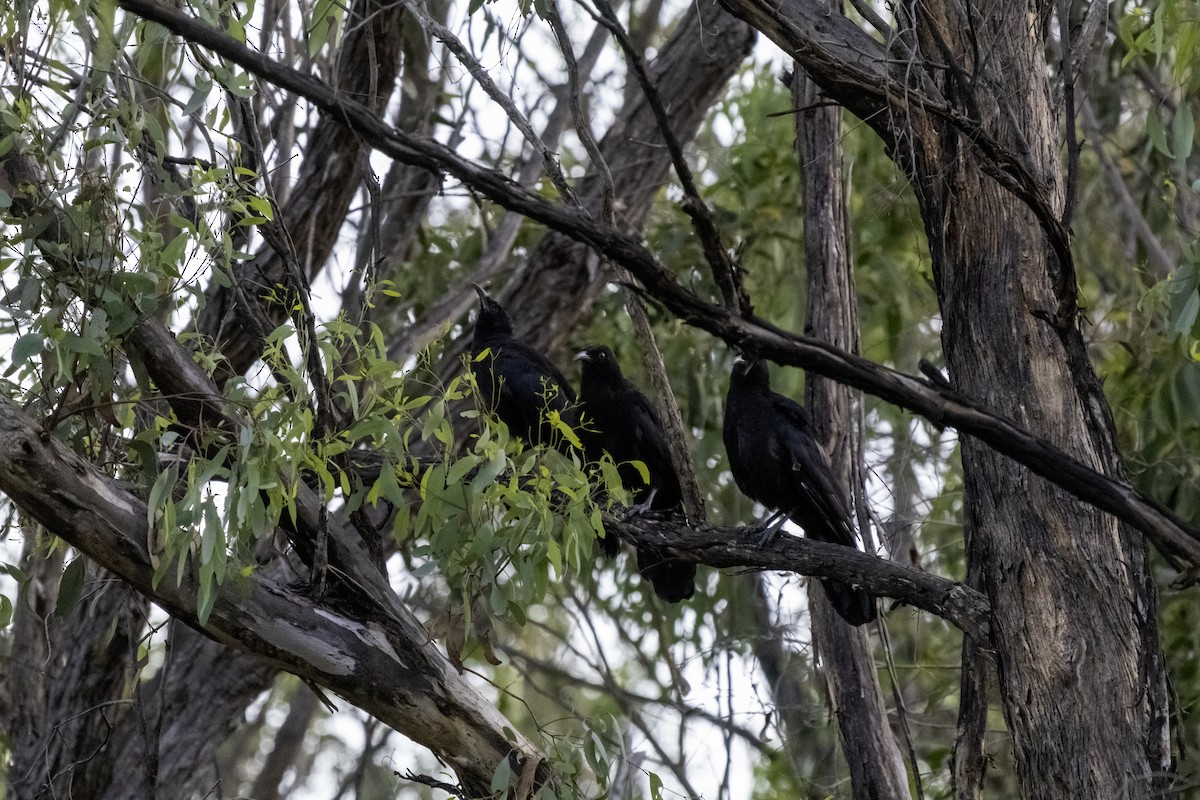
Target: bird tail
674 580
610 545
856 606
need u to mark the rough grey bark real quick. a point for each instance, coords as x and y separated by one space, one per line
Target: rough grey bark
69 678
1080 669
194 703
876 766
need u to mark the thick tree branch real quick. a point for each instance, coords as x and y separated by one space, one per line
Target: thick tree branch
847 652
1166 529
716 546
383 663
719 546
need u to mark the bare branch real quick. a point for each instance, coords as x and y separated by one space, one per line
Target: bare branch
724 270
945 408
877 22
452 42
717 546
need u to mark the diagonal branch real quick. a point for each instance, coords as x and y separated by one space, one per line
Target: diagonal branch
382 662
944 407
724 270
452 42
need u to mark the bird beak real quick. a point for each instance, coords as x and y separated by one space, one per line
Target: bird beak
582 355
483 295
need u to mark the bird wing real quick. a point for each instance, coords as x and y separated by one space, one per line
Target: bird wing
520 384
530 377
823 509
652 449
746 431
628 427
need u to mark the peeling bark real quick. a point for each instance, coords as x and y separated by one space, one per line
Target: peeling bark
377 657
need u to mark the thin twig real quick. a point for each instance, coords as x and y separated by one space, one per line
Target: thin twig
1161 262
460 51
582 128
725 272
276 234
427 780
901 708
608 685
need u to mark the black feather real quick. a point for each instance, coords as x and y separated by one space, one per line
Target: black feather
516 382
619 420
777 461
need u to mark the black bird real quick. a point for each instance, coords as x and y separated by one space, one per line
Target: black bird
777 461
516 381
618 419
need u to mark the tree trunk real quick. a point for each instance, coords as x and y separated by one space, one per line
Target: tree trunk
1081 674
961 99
876 766
70 678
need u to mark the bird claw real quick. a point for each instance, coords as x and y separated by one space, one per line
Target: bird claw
767 533
644 506
770 528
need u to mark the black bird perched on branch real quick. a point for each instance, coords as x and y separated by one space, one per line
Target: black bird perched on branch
777 461
618 419
517 382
